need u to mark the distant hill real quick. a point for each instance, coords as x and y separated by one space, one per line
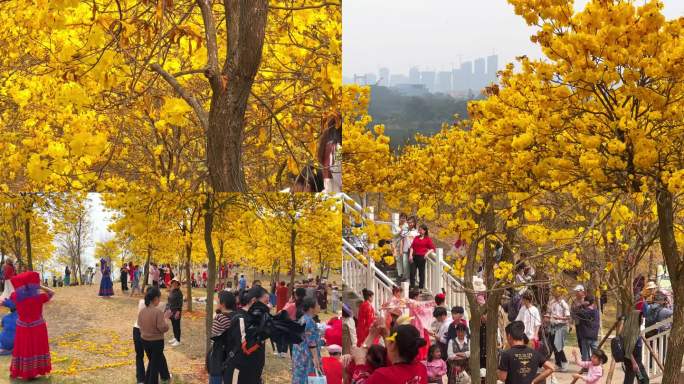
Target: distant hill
404 116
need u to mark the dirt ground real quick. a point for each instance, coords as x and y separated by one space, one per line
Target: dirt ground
91 342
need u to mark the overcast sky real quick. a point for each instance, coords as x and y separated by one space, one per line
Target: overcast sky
100 219
436 34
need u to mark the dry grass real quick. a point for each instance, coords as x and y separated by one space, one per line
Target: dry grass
91 341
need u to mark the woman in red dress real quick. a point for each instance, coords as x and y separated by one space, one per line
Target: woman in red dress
366 317
31 353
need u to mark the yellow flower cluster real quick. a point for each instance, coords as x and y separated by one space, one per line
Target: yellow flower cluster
504 271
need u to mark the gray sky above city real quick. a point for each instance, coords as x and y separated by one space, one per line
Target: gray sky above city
436 34
100 219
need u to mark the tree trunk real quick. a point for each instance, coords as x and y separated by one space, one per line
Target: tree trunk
146 269
475 325
17 247
246 27
211 272
188 262
293 258
220 259
675 266
27 234
475 314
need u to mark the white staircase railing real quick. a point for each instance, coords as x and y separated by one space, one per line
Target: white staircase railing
438 278
357 275
658 344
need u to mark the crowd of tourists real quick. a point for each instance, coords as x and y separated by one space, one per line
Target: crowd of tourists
247 321
533 321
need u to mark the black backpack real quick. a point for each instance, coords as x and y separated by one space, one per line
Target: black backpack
617 348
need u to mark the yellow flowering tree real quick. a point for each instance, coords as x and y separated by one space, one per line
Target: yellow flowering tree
164 95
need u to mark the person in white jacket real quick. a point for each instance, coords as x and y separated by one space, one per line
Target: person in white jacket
529 315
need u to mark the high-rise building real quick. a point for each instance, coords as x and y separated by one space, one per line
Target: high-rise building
492 68
384 77
443 82
480 78
397 79
414 75
427 78
371 78
464 76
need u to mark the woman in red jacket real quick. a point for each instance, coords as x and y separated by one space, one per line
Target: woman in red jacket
420 247
366 317
281 296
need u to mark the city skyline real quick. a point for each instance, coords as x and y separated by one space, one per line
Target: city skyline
472 75
442 33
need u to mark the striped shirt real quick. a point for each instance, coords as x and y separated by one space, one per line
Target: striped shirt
221 323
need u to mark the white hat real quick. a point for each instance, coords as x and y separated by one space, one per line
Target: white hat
334 348
651 285
578 288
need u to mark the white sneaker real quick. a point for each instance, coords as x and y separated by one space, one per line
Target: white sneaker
172 340
175 343
275 353
283 354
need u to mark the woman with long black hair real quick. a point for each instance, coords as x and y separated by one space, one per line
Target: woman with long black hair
366 316
420 247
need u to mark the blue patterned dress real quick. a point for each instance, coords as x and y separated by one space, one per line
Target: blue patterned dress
302 358
106 286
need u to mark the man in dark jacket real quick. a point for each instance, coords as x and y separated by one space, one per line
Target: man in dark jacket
249 328
175 305
587 327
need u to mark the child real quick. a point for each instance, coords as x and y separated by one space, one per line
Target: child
439 328
457 316
458 352
9 326
594 368
376 357
436 367
175 306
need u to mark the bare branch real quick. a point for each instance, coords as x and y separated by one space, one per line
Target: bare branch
303 7
190 99
212 47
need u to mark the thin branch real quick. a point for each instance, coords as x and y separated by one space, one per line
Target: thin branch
190 99
303 7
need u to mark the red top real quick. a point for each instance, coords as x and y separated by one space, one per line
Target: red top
414 373
422 246
366 318
333 334
281 297
8 271
332 368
